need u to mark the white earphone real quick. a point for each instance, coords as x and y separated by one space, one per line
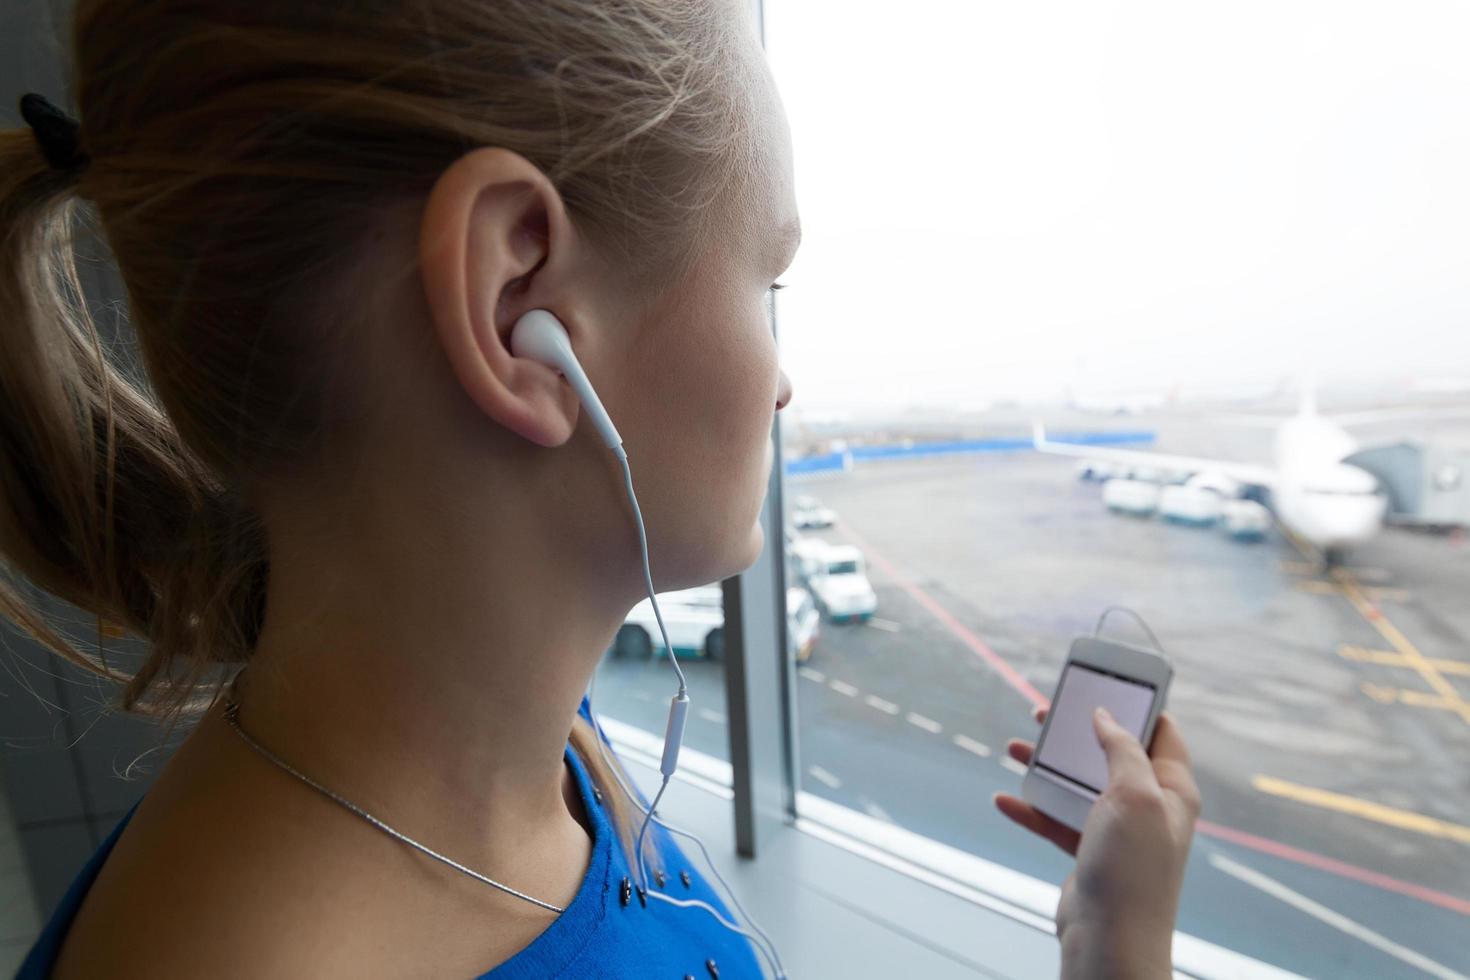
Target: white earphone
539 336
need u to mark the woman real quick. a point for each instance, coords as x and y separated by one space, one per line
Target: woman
329 218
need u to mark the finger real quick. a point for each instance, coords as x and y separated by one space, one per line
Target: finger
1127 763
1037 822
1020 751
1172 765
1168 743
1039 712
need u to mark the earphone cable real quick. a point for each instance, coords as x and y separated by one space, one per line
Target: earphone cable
763 943
1097 630
622 456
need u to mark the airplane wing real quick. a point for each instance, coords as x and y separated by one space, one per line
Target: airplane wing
1404 414
1251 473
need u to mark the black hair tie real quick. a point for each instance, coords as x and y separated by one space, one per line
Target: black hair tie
58 134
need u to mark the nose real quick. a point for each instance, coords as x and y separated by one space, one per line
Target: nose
783 392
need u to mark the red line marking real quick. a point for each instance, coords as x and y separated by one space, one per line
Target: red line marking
1332 866
1239 837
1008 673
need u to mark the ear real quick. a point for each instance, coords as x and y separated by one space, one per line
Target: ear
492 226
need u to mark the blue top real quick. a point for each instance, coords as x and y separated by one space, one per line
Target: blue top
599 935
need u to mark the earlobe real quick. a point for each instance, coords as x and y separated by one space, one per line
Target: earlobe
488 230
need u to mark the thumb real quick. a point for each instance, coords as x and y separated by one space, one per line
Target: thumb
1127 762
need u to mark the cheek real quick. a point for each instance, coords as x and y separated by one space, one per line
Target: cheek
717 416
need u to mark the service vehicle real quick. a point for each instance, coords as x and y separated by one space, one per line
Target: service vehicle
1137 497
695 619
838 580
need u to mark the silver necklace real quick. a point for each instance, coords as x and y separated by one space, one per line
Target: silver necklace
232 715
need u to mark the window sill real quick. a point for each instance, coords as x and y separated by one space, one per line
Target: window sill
842 894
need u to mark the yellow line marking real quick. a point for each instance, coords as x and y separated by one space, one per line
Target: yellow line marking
1407 650
1418 699
1396 639
1364 573
1318 587
1391 659
1421 699
1379 693
1402 819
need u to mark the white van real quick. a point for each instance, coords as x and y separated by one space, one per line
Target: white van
1246 520
838 579
695 619
1190 505
1135 497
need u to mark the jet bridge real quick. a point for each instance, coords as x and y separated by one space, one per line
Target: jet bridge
1428 484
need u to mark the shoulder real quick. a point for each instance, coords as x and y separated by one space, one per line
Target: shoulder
226 875
192 887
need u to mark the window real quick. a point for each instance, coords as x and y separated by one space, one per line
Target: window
1232 236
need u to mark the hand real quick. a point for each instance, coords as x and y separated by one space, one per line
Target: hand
1118 906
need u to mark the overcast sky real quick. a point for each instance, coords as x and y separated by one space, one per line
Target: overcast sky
1002 199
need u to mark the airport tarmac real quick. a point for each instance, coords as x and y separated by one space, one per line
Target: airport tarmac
1327 713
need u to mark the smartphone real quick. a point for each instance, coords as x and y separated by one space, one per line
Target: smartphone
1068 770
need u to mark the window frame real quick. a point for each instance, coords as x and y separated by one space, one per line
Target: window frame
760 678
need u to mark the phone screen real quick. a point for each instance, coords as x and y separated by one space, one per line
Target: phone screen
1070 748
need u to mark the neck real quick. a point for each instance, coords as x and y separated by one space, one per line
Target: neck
430 669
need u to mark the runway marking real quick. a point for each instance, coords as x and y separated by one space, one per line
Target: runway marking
886 625
1342 869
1390 659
1240 838
1376 618
1393 817
1019 768
1417 699
886 706
812 675
823 776
713 716
970 745
928 724
1364 572
998 663
1396 639
842 687
1376 593
1332 918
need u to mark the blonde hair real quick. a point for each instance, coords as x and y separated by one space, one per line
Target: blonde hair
238 153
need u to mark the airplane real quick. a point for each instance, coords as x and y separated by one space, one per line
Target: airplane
1330 503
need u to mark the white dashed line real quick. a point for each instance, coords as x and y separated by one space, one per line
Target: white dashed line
1013 765
885 706
928 724
970 745
713 716
822 775
812 675
842 687
886 625
643 695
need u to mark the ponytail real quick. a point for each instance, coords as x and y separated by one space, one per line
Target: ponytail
101 503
